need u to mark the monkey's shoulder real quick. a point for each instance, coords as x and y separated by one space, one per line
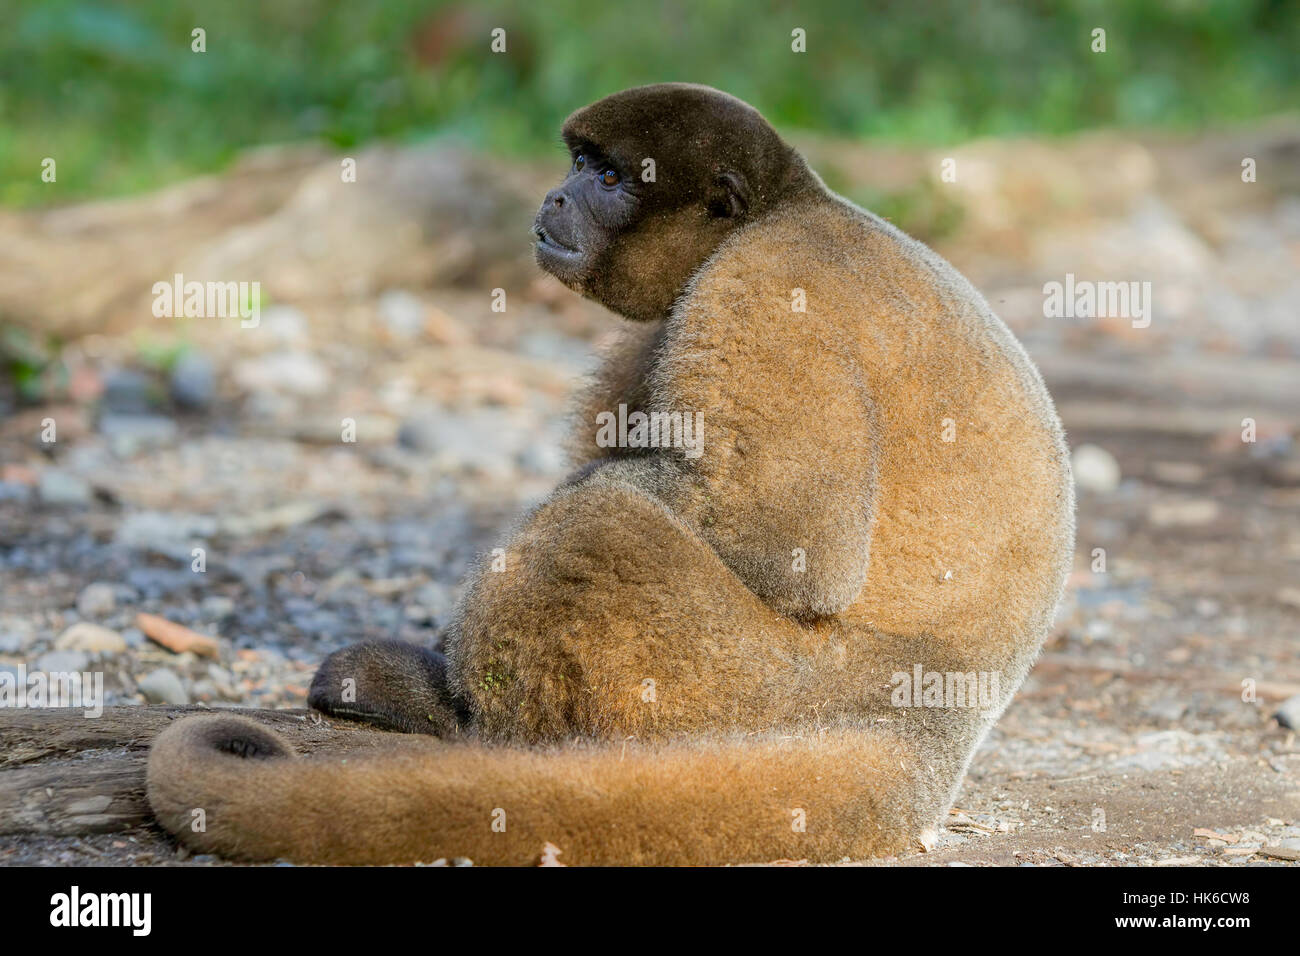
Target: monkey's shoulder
831 261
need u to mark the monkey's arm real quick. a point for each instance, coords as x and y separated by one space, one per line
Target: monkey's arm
622 379
780 485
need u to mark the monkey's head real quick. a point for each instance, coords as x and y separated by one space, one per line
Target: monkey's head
659 176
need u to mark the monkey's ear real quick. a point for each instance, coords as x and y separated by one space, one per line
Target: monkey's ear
729 197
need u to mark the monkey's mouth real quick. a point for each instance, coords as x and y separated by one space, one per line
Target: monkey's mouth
552 245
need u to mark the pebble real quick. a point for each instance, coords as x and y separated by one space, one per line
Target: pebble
214 607
169 533
1169 710
439 598
62 661
284 323
11 643
1183 514
96 600
1095 469
402 313
126 390
162 686
14 491
542 458
1288 715
91 638
575 354
484 440
294 373
130 433
194 381
59 487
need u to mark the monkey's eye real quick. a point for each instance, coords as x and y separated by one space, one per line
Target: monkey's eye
609 177
579 161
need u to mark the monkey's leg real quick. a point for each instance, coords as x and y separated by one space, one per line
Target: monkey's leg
610 617
393 684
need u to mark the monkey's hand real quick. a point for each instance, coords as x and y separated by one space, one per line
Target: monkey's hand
392 684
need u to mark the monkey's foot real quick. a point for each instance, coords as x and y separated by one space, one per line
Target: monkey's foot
391 684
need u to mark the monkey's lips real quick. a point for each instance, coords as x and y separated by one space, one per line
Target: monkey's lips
548 247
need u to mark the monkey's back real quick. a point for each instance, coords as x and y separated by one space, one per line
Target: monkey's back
969 494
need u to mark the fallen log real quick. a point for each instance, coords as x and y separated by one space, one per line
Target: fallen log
65 774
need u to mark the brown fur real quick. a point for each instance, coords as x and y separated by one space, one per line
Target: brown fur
650 680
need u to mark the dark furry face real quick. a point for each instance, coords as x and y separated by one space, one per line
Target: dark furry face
658 176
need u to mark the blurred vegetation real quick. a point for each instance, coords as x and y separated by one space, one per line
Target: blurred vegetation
113 92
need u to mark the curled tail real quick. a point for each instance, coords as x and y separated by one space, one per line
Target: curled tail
829 795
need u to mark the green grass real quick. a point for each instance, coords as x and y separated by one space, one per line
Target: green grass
114 94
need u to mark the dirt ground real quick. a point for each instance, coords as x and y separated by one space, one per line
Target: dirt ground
1145 735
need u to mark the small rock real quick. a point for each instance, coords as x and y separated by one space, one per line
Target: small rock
128 434
194 381
126 390
403 314
90 638
171 533
484 440
1095 469
1288 715
1208 607
62 488
284 323
11 643
542 458
222 681
1169 710
437 597
1178 472
162 686
575 354
64 662
293 373
1184 513
1285 473
96 600
214 607
1279 853
14 491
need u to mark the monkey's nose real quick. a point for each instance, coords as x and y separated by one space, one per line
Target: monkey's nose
558 200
